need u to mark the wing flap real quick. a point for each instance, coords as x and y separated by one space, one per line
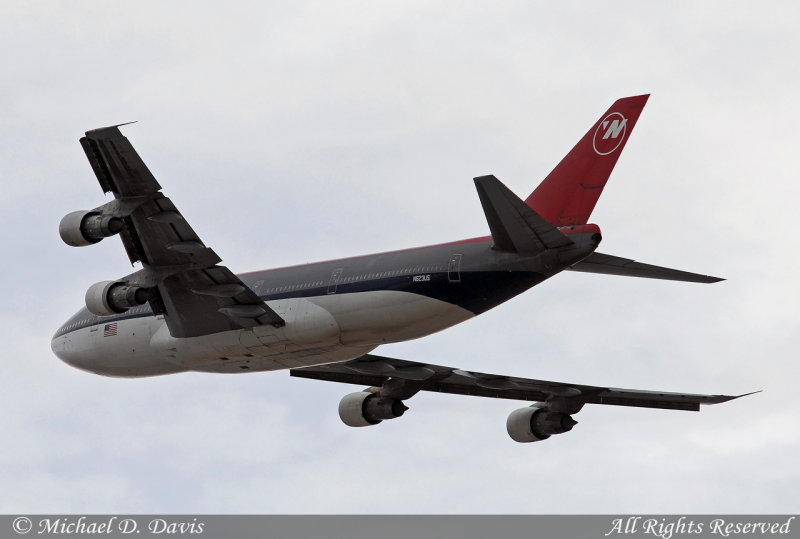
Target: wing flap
653 399
211 300
167 243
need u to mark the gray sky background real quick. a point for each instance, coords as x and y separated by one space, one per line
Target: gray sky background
295 132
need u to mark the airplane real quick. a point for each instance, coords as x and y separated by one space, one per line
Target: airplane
184 311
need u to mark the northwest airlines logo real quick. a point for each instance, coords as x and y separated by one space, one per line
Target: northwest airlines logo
610 133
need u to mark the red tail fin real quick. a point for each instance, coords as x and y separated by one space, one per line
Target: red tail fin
569 193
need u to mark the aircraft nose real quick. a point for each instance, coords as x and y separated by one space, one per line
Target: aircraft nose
60 347
71 349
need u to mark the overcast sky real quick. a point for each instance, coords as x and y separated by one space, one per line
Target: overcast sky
293 132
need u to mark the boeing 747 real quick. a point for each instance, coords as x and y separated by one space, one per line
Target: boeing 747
184 311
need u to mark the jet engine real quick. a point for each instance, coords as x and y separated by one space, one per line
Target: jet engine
537 423
365 408
82 227
107 298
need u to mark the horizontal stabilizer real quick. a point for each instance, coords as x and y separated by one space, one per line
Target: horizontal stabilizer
615 265
515 226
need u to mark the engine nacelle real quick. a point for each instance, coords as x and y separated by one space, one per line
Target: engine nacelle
81 228
107 298
363 409
537 423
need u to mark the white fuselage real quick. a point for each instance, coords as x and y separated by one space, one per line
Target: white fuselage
320 329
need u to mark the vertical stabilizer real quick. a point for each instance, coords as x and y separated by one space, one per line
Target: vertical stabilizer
569 193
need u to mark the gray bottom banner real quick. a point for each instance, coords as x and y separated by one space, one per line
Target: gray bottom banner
401 526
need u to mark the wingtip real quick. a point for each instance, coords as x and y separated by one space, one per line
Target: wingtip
94 131
719 399
751 393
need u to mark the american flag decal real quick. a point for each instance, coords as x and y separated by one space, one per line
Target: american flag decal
110 330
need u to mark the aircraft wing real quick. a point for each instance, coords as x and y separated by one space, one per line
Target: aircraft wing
401 379
615 265
196 294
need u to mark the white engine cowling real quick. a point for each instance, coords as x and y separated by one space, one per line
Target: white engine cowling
81 228
107 298
537 423
364 408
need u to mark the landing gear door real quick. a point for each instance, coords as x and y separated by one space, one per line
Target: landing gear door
454 269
